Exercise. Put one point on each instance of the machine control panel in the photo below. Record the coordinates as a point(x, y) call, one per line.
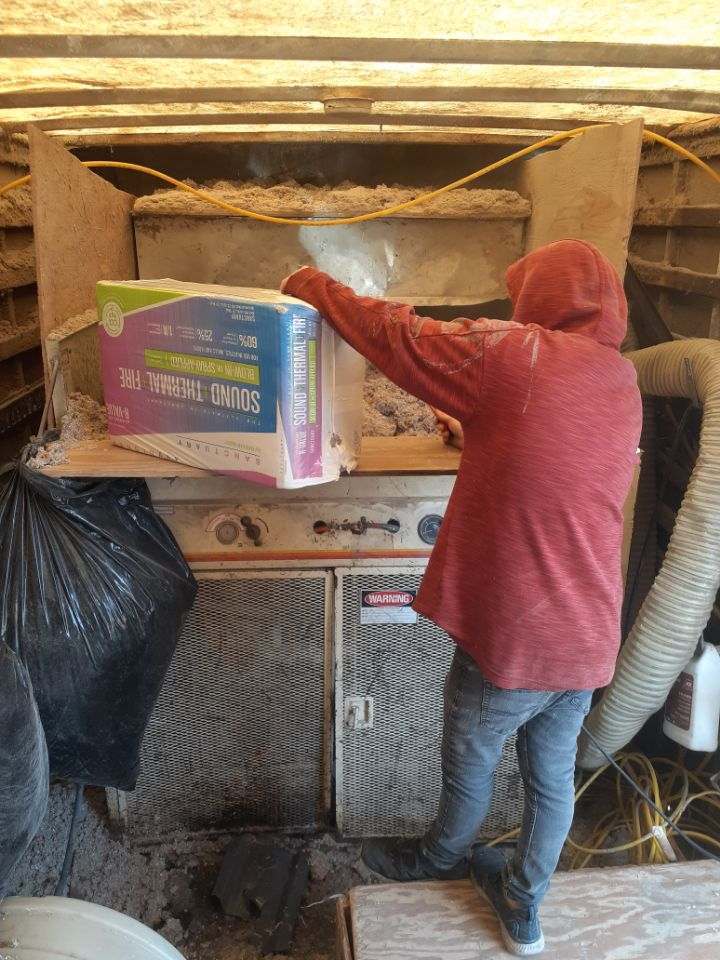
point(366, 518)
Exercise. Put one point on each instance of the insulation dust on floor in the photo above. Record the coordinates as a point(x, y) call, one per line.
point(168, 885)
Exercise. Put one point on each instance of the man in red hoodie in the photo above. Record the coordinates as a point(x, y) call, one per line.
point(526, 573)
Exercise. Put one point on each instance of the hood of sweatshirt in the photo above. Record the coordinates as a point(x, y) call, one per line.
point(570, 286)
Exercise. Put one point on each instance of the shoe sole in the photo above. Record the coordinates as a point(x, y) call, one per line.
point(426, 879)
point(376, 873)
point(513, 946)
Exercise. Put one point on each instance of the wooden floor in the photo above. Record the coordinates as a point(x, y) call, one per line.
point(619, 913)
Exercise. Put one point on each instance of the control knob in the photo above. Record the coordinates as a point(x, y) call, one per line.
point(429, 528)
point(227, 532)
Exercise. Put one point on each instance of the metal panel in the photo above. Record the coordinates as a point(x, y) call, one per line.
point(388, 775)
point(239, 736)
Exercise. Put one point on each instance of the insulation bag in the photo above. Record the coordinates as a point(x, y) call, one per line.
point(248, 383)
point(23, 764)
point(94, 594)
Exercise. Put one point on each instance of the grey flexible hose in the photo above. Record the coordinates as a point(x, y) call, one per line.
point(678, 606)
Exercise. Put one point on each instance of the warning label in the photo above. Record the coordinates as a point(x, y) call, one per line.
point(387, 606)
point(678, 709)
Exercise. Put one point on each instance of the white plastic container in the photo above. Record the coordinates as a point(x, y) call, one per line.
point(692, 710)
point(58, 928)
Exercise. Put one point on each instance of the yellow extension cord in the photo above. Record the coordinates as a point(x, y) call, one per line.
point(636, 819)
point(632, 814)
point(376, 214)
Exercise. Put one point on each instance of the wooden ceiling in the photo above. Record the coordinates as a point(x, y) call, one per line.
point(124, 71)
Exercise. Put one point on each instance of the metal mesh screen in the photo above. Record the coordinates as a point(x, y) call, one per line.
point(237, 736)
point(391, 773)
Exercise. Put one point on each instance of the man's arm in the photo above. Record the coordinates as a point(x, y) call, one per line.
point(441, 363)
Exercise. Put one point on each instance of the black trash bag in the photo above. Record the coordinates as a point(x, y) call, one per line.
point(23, 764)
point(94, 594)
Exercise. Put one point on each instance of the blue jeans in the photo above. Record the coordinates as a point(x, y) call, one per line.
point(479, 718)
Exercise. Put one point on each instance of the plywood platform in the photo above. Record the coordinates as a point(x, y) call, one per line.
point(621, 913)
point(380, 456)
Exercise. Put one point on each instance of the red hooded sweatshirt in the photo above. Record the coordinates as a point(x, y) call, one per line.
point(526, 573)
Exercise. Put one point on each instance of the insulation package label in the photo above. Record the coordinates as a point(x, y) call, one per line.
point(222, 378)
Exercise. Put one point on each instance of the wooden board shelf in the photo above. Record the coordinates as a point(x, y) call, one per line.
point(380, 456)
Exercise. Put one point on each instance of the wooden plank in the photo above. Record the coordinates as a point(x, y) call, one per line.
point(22, 393)
point(83, 232)
point(16, 207)
point(644, 913)
point(27, 402)
point(343, 948)
point(19, 341)
point(17, 258)
point(75, 346)
point(380, 456)
point(665, 215)
point(70, 82)
point(418, 455)
point(313, 134)
point(13, 156)
point(688, 98)
point(662, 22)
point(586, 190)
point(11, 379)
point(74, 120)
point(399, 49)
point(677, 278)
point(706, 148)
point(541, 116)
point(697, 128)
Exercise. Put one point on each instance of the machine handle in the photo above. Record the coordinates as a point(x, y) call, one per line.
point(357, 527)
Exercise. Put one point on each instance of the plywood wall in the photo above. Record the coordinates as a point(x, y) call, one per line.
point(83, 233)
point(586, 190)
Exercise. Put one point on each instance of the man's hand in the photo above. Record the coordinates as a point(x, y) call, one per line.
point(449, 429)
point(289, 276)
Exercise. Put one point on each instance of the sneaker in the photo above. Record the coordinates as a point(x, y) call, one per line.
point(519, 924)
point(404, 860)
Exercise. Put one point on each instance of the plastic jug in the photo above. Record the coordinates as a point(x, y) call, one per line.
point(692, 710)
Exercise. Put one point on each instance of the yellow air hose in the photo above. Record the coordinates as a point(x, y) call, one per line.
point(375, 214)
